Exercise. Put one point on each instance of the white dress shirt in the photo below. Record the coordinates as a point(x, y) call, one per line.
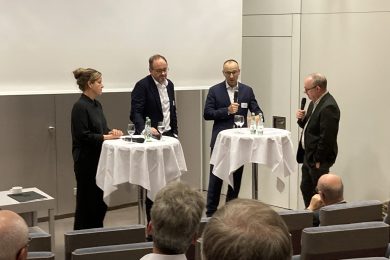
point(164, 98)
point(230, 91)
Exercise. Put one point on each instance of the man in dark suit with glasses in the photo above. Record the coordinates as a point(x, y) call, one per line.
point(221, 107)
point(317, 148)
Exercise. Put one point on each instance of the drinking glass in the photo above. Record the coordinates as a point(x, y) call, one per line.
point(239, 120)
point(131, 130)
point(160, 128)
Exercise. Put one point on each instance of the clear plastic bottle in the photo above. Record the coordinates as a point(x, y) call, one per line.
point(252, 126)
point(260, 125)
point(147, 131)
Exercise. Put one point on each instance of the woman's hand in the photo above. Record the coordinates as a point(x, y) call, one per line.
point(113, 134)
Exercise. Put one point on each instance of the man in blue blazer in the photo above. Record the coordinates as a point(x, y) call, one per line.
point(154, 97)
point(221, 107)
point(317, 149)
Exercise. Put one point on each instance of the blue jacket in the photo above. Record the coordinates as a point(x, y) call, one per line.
point(217, 103)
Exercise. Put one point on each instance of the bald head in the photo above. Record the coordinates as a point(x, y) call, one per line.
point(331, 188)
point(13, 236)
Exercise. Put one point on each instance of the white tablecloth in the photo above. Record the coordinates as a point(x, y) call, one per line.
point(235, 147)
point(150, 164)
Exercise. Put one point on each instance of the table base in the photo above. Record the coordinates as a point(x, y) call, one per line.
point(141, 204)
point(255, 179)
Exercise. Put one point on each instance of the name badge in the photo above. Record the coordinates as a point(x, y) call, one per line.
point(244, 105)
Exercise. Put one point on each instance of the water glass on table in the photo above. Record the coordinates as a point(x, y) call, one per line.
point(131, 130)
point(239, 120)
point(161, 128)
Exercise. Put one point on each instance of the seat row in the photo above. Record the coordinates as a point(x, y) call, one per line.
point(129, 242)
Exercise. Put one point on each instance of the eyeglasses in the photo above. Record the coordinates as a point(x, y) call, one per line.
point(307, 90)
point(228, 73)
point(160, 71)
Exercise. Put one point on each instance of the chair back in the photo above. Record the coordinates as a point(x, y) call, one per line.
point(296, 221)
point(117, 252)
point(95, 237)
point(40, 255)
point(351, 212)
point(40, 240)
point(366, 239)
point(368, 258)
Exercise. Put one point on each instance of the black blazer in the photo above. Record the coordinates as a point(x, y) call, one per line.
point(321, 132)
point(217, 103)
point(145, 102)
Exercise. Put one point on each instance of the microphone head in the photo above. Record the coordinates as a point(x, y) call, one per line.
point(303, 103)
point(235, 97)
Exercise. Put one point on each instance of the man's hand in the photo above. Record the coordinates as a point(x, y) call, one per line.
point(154, 131)
point(315, 203)
point(233, 108)
point(300, 114)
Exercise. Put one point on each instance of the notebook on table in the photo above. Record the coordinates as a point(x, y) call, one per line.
point(26, 196)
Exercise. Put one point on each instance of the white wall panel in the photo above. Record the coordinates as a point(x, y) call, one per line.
point(267, 25)
point(267, 68)
point(44, 41)
point(352, 50)
point(332, 6)
point(271, 6)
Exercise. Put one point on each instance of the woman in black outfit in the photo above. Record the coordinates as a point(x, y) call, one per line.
point(89, 130)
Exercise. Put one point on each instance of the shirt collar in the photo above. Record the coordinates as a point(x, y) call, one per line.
point(158, 84)
point(319, 99)
point(229, 87)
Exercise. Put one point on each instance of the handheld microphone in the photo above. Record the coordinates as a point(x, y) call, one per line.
point(303, 103)
point(235, 97)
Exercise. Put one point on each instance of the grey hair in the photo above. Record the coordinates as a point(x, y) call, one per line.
point(333, 193)
point(246, 229)
point(176, 215)
point(13, 234)
point(319, 80)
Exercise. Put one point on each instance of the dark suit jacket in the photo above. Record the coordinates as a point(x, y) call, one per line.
point(145, 102)
point(320, 133)
point(217, 103)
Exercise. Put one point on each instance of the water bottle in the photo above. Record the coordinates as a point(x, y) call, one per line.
point(260, 125)
point(252, 127)
point(147, 131)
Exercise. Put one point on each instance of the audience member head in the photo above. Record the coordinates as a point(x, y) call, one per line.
point(86, 77)
point(246, 229)
point(13, 236)
point(231, 71)
point(158, 68)
point(176, 215)
point(315, 86)
point(330, 188)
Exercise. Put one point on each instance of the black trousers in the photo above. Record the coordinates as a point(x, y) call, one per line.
point(310, 176)
point(90, 207)
point(215, 186)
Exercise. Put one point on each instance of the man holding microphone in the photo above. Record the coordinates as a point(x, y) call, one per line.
point(225, 100)
point(317, 148)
